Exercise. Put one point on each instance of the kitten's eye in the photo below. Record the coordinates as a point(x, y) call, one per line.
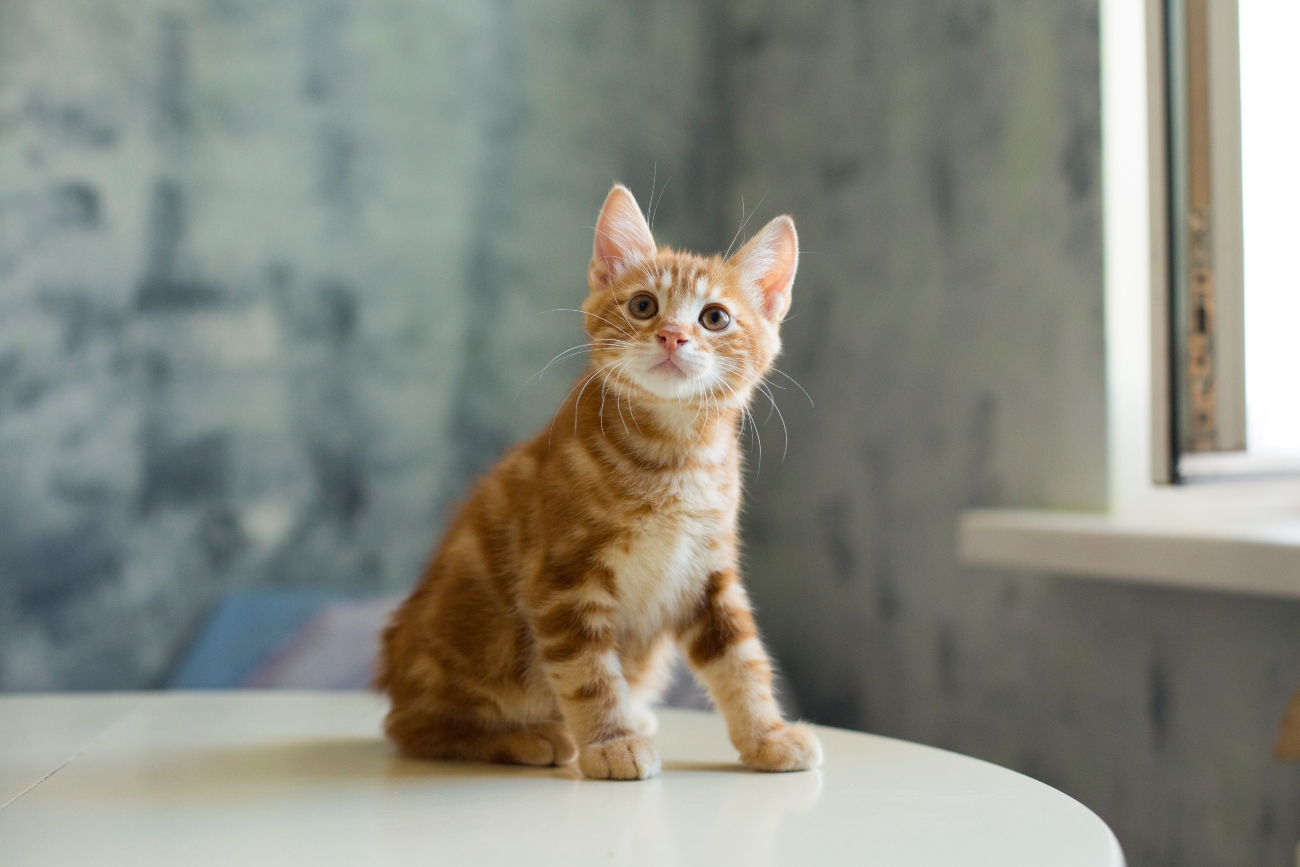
point(643, 306)
point(715, 318)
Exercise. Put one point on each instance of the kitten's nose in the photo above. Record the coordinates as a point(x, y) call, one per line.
point(671, 338)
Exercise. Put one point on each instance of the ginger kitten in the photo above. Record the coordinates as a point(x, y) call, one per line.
point(543, 626)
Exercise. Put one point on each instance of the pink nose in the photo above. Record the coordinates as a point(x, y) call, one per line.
point(671, 339)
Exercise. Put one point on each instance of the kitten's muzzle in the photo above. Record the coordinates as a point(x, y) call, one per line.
point(671, 339)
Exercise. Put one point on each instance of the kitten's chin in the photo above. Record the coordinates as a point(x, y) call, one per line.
point(678, 388)
point(669, 383)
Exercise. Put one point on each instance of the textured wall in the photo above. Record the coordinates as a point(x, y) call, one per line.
point(273, 273)
point(942, 161)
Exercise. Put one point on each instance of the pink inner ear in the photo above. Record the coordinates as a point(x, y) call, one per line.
point(622, 236)
point(780, 277)
point(770, 260)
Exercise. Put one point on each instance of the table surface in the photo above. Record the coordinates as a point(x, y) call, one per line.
point(305, 778)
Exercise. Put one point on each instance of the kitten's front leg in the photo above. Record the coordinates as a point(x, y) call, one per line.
point(577, 639)
point(722, 644)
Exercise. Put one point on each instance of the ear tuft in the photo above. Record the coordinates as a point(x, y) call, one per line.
point(767, 265)
point(622, 239)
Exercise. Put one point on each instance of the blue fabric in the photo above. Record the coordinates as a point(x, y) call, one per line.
point(244, 629)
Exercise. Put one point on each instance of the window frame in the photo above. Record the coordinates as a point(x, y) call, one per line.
point(1194, 98)
point(1238, 535)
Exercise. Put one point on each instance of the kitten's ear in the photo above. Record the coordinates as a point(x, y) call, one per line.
point(622, 239)
point(766, 265)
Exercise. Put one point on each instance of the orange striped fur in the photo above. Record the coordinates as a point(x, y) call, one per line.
point(543, 627)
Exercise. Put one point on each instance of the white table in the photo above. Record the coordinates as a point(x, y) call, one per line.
point(277, 778)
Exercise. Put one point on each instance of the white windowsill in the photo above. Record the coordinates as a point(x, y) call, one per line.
point(1257, 556)
point(1233, 534)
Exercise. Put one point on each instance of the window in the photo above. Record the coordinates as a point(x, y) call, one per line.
point(1232, 399)
point(1241, 534)
point(1270, 174)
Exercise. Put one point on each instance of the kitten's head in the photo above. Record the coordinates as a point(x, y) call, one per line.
point(683, 327)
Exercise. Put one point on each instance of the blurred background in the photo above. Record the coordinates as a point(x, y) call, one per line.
point(274, 274)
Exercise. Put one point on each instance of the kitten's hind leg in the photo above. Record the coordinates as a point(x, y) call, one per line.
point(537, 744)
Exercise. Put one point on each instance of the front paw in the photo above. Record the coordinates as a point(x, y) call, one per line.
point(643, 719)
point(627, 758)
point(789, 748)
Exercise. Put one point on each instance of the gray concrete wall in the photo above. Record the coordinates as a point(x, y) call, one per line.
point(272, 275)
point(942, 159)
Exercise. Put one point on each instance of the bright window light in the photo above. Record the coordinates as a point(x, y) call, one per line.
point(1270, 128)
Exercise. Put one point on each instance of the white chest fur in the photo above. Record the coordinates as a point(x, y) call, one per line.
point(662, 565)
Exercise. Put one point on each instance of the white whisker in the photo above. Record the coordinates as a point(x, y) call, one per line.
point(585, 313)
point(758, 438)
point(618, 402)
point(655, 211)
point(797, 385)
point(743, 222)
point(779, 415)
point(569, 353)
point(741, 228)
point(583, 382)
point(651, 204)
point(600, 414)
point(577, 402)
